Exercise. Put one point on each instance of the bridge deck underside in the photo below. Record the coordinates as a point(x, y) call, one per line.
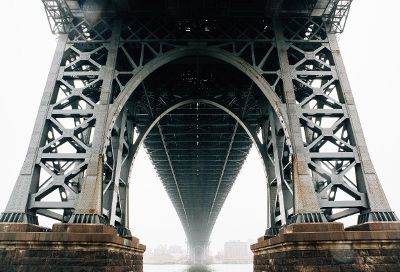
point(185, 8)
point(205, 153)
point(197, 149)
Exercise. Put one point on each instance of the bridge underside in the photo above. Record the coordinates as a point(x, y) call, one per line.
point(197, 148)
point(61, 12)
point(197, 82)
point(205, 8)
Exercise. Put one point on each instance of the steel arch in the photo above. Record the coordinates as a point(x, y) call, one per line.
point(178, 53)
point(169, 108)
point(216, 104)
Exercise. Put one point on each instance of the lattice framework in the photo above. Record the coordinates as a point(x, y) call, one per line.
point(91, 123)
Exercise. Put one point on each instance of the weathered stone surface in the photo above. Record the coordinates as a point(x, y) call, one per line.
point(326, 247)
point(67, 247)
point(376, 226)
point(21, 227)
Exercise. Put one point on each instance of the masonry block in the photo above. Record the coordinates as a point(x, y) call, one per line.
point(315, 247)
point(68, 247)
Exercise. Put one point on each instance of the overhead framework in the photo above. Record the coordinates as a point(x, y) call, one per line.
point(199, 83)
point(60, 13)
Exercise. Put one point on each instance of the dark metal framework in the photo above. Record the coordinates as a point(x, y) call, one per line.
point(60, 13)
point(336, 14)
point(197, 93)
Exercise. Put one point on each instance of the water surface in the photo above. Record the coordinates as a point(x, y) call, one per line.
point(209, 268)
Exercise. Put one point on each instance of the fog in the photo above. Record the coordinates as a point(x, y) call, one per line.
point(370, 51)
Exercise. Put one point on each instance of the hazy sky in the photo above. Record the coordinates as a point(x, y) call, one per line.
point(370, 50)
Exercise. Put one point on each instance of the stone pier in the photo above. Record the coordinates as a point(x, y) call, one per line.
point(330, 247)
point(67, 247)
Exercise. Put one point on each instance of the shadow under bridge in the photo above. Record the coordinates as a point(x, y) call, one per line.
point(198, 118)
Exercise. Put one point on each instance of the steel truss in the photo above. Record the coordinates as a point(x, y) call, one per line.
point(59, 15)
point(336, 14)
point(107, 91)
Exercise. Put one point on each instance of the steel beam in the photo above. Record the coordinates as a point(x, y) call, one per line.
point(179, 83)
point(305, 201)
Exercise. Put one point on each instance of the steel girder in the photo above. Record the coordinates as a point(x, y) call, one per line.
point(318, 96)
point(60, 13)
point(100, 88)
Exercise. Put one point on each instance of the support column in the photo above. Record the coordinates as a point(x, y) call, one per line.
point(280, 184)
point(118, 160)
point(28, 179)
point(379, 208)
point(199, 253)
point(306, 206)
point(89, 206)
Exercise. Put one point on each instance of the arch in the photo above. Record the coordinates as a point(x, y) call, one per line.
point(177, 104)
point(274, 101)
point(184, 102)
point(197, 50)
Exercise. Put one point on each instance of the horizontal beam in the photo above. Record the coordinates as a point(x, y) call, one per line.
point(332, 155)
point(63, 156)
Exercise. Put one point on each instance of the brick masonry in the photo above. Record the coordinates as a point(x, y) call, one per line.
point(66, 247)
point(329, 247)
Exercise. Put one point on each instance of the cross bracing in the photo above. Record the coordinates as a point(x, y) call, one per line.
point(198, 93)
point(60, 13)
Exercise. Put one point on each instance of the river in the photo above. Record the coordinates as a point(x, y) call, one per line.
point(209, 268)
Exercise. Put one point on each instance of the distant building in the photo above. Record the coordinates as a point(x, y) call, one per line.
point(165, 255)
point(237, 252)
point(219, 257)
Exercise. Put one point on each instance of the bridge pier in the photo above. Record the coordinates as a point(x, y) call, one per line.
point(199, 253)
point(67, 247)
point(221, 79)
point(330, 247)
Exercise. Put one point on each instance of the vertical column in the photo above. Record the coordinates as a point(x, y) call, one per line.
point(379, 208)
point(324, 123)
point(118, 159)
point(306, 206)
point(28, 179)
point(276, 142)
point(117, 143)
point(277, 162)
point(126, 169)
point(89, 206)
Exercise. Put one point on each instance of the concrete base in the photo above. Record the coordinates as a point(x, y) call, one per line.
point(329, 247)
point(67, 247)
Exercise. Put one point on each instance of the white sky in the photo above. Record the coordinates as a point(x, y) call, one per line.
point(370, 50)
